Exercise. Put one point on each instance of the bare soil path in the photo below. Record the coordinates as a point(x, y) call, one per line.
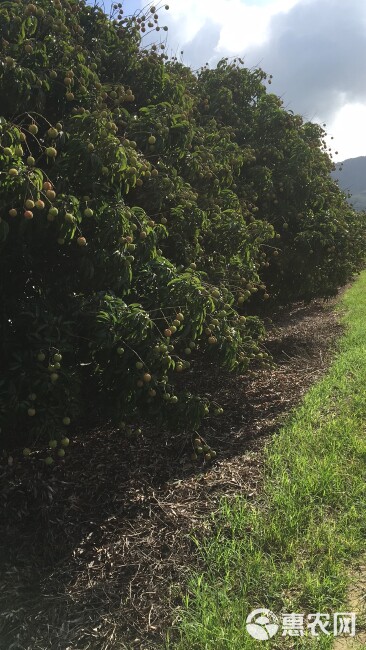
point(95, 555)
point(356, 603)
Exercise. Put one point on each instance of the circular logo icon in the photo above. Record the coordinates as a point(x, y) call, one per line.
point(262, 624)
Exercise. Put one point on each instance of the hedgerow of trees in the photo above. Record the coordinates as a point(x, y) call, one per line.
point(148, 214)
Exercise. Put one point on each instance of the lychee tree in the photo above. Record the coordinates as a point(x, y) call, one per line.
point(140, 229)
point(284, 180)
point(91, 305)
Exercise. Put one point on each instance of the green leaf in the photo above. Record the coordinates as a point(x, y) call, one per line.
point(4, 230)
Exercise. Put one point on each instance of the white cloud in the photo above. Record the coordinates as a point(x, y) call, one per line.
point(245, 26)
point(315, 50)
point(349, 132)
point(240, 24)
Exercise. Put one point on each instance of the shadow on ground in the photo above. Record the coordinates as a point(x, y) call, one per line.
point(96, 552)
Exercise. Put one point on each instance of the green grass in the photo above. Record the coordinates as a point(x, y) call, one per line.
point(292, 550)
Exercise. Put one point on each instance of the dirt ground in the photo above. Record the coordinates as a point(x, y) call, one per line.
point(96, 554)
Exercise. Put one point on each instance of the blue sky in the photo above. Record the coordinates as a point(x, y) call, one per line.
point(129, 6)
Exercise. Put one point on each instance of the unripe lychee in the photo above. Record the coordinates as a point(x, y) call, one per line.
point(51, 152)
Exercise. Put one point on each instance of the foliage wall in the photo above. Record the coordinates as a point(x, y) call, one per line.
point(147, 216)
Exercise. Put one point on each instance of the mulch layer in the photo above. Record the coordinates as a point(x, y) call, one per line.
point(96, 553)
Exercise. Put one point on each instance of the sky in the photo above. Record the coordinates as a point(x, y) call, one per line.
point(315, 50)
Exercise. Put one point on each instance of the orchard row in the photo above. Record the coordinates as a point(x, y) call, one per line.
point(149, 217)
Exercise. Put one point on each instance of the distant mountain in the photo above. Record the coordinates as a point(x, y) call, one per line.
point(351, 176)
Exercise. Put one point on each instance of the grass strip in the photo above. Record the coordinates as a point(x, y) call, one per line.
point(292, 550)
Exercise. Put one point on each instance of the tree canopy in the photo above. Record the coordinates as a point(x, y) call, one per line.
point(149, 215)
